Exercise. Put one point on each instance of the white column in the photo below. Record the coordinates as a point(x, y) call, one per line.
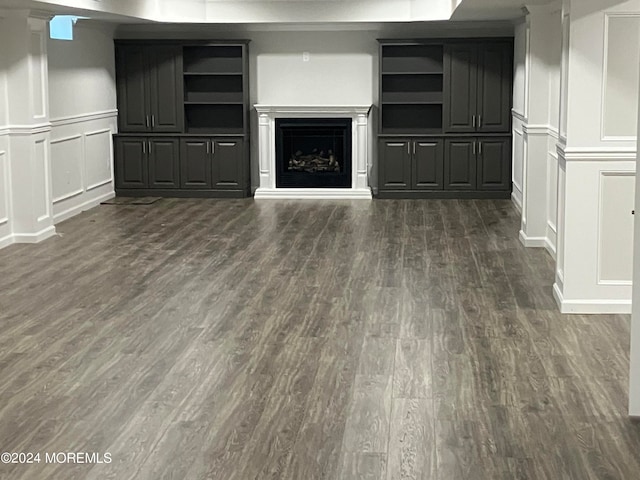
point(25, 40)
point(540, 132)
point(634, 374)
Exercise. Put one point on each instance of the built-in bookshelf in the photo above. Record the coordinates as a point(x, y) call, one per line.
point(214, 89)
point(411, 88)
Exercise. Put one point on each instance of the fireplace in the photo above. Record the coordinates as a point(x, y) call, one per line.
point(313, 153)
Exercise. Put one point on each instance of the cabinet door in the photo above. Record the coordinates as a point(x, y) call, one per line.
point(133, 90)
point(165, 78)
point(494, 87)
point(428, 163)
point(460, 88)
point(131, 162)
point(195, 163)
point(460, 164)
point(228, 156)
point(494, 163)
point(164, 167)
point(394, 169)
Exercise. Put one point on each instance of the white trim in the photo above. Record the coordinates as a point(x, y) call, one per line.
point(4, 131)
point(518, 115)
point(311, 110)
point(596, 153)
point(590, 306)
point(84, 117)
point(88, 205)
point(535, 130)
point(100, 184)
point(67, 196)
point(553, 227)
point(550, 248)
point(516, 201)
point(6, 241)
point(25, 130)
point(66, 139)
point(35, 237)
point(102, 131)
point(313, 193)
point(531, 242)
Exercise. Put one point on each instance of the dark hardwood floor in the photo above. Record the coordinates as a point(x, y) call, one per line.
point(231, 339)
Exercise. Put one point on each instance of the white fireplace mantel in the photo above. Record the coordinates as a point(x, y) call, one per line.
point(359, 116)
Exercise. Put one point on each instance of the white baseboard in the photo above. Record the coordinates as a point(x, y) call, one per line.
point(88, 205)
point(314, 193)
point(590, 306)
point(516, 201)
point(34, 237)
point(533, 242)
point(6, 241)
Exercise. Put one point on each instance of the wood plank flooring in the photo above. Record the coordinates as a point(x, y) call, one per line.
point(239, 340)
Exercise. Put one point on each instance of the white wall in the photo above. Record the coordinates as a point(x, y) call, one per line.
point(83, 117)
point(520, 97)
point(5, 199)
point(596, 186)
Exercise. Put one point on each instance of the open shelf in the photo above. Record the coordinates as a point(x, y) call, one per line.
point(213, 89)
point(407, 59)
point(412, 118)
point(226, 59)
point(214, 118)
point(411, 97)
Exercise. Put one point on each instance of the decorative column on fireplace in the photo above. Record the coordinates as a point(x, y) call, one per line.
point(313, 152)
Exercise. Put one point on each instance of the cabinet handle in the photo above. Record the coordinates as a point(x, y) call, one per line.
point(227, 144)
point(153, 121)
point(408, 148)
point(474, 147)
point(150, 148)
point(479, 148)
point(208, 147)
point(144, 147)
point(213, 148)
point(474, 121)
point(479, 121)
point(414, 148)
point(146, 121)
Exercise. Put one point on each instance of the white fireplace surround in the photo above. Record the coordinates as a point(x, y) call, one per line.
point(359, 116)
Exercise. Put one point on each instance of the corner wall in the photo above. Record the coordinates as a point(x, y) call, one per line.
point(83, 118)
point(5, 175)
point(597, 157)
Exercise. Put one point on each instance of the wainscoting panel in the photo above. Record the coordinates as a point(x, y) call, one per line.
point(67, 167)
point(98, 158)
point(82, 162)
point(518, 162)
point(41, 197)
point(615, 228)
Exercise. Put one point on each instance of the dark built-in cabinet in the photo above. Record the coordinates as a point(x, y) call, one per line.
point(445, 118)
point(183, 118)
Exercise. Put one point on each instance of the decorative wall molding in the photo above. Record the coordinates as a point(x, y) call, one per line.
point(596, 154)
point(539, 130)
point(84, 117)
point(26, 130)
point(603, 98)
point(4, 170)
point(519, 116)
point(35, 237)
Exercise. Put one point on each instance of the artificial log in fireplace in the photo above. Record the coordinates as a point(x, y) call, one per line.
point(313, 152)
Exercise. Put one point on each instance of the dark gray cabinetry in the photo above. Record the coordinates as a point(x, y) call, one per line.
point(428, 163)
point(149, 84)
point(183, 118)
point(460, 169)
point(132, 163)
point(164, 170)
point(395, 163)
point(411, 164)
point(207, 163)
point(444, 119)
point(494, 162)
point(477, 87)
point(195, 163)
point(147, 162)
